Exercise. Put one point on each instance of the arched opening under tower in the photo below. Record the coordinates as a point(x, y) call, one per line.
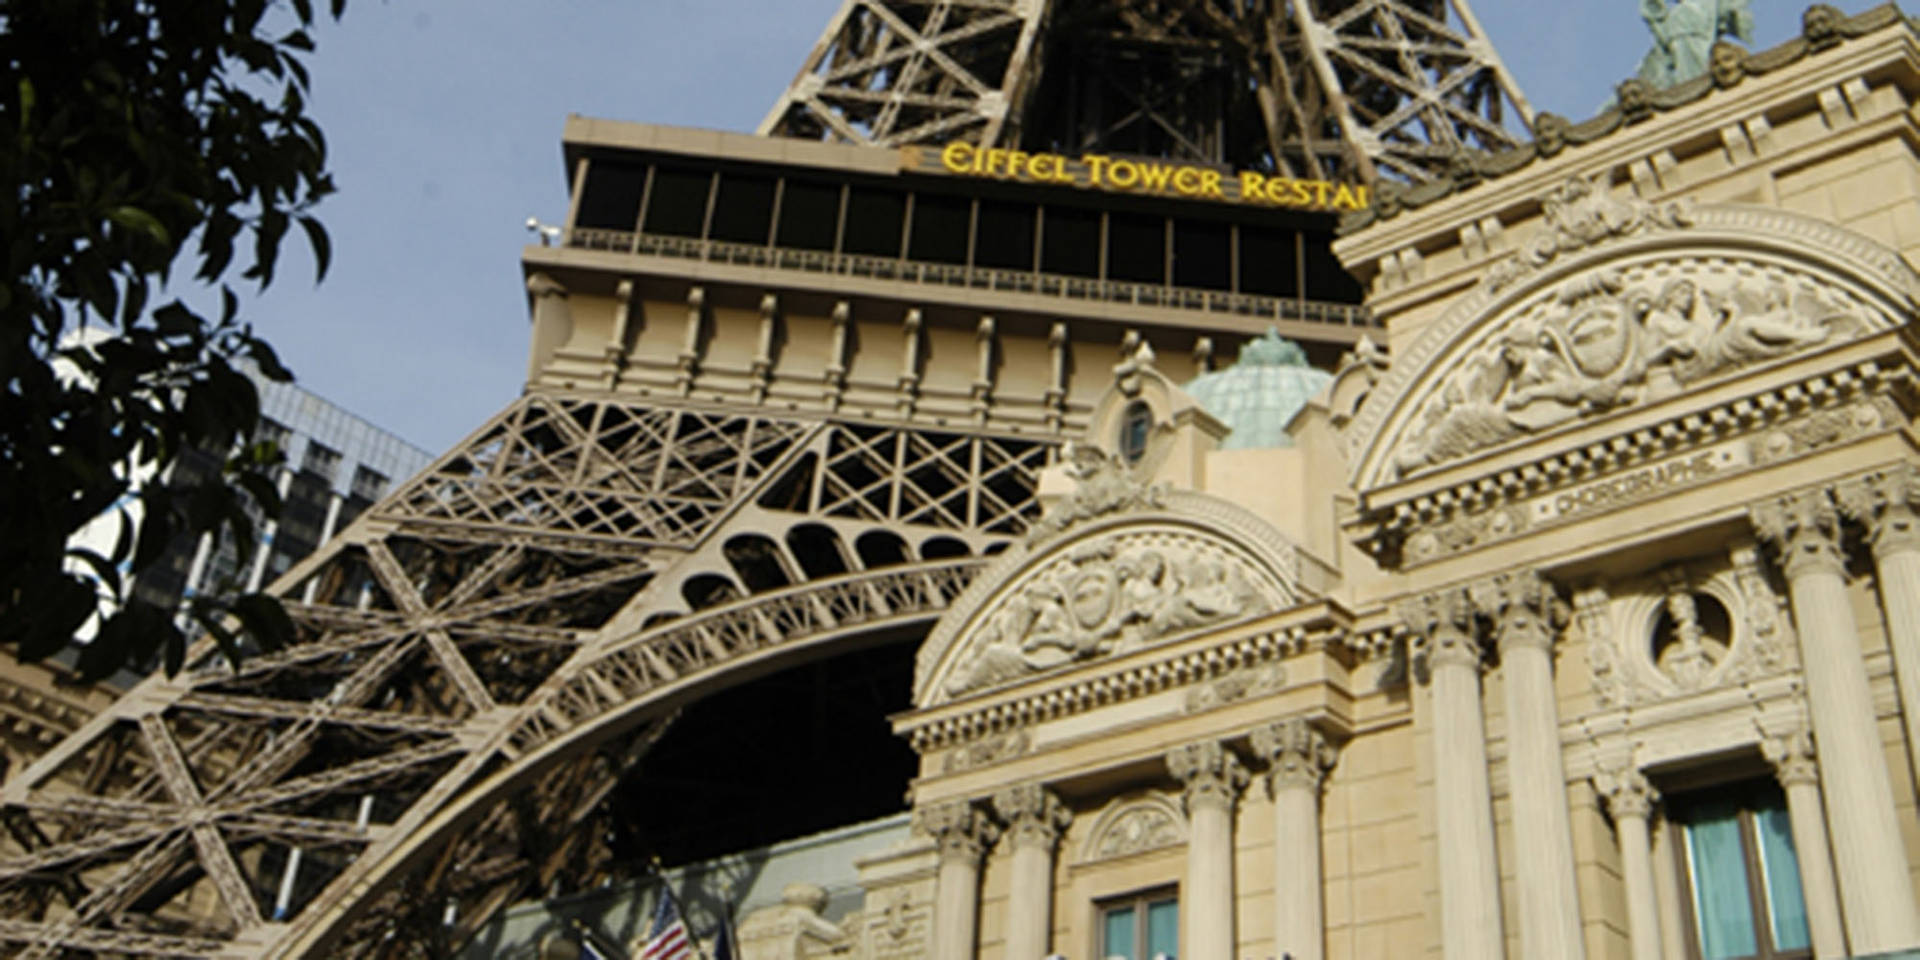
point(802, 750)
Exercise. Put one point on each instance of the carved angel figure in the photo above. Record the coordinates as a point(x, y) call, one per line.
point(1751, 326)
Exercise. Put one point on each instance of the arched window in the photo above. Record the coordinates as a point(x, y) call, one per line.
point(1136, 423)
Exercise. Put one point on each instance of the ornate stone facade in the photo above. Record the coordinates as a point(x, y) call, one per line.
point(1612, 521)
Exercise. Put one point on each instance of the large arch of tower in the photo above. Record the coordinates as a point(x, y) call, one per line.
point(785, 402)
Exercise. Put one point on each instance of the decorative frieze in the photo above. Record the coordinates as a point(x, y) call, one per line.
point(1298, 755)
point(1237, 686)
point(1232, 652)
point(1701, 447)
point(988, 751)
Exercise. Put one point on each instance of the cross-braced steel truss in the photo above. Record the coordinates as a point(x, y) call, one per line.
point(1334, 89)
point(479, 659)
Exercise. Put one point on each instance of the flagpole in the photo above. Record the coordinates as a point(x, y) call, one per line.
point(666, 887)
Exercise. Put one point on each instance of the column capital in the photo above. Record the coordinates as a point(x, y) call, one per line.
point(958, 828)
point(1883, 502)
point(1627, 791)
point(1297, 754)
point(1210, 772)
point(1804, 528)
point(1442, 624)
point(1034, 815)
point(1793, 758)
point(1524, 607)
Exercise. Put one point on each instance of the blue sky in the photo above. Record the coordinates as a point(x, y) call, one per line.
point(443, 120)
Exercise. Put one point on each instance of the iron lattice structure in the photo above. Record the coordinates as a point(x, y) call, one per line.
point(480, 658)
point(1328, 89)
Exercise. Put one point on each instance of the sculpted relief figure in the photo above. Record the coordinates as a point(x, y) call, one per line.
point(1684, 35)
point(1601, 343)
point(1578, 214)
point(1105, 598)
point(1102, 485)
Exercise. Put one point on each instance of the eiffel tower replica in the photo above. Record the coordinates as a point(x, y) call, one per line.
point(784, 400)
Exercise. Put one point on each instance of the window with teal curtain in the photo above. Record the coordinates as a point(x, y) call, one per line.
point(1163, 929)
point(1118, 943)
point(1717, 861)
point(1743, 878)
point(1140, 927)
point(1781, 869)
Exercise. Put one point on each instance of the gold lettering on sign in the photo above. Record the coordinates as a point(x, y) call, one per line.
point(1098, 171)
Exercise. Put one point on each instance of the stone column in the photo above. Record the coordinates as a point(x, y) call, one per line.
point(1213, 777)
point(1298, 758)
point(1794, 766)
point(1526, 618)
point(1462, 801)
point(962, 833)
point(1630, 798)
point(1883, 503)
point(1876, 892)
point(1034, 819)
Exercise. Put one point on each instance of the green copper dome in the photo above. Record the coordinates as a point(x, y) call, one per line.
point(1259, 395)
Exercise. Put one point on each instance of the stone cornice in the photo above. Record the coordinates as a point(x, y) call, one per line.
point(1770, 414)
point(1323, 625)
point(1636, 104)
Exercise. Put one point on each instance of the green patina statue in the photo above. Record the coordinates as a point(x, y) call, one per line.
point(1684, 34)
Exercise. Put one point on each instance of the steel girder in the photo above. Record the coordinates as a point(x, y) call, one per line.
point(480, 658)
point(1331, 89)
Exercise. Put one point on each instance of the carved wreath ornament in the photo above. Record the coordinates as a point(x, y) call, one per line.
point(1620, 336)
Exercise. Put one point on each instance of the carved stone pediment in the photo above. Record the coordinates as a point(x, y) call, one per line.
point(1135, 825)
point(1124, 580)
point(1615, 308)
point(1615, 337)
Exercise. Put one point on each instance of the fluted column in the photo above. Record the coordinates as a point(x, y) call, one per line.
point(1298, 758)
point(1213, 777)
point(1034, 819)
point(1463, 803)
point(1884, 504)
point(1526, 618)
point(1630, 798)
point(962, 833)
point(1799, 776)
point(1876, 893)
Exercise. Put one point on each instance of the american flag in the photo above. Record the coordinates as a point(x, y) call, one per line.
point(667, 939)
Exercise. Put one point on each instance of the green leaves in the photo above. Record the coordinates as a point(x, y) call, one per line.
point(130, 128)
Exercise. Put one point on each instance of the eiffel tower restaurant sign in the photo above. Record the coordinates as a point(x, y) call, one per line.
point(1135, 175)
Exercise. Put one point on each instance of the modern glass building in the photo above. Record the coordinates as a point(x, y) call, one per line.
point(336, 464)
